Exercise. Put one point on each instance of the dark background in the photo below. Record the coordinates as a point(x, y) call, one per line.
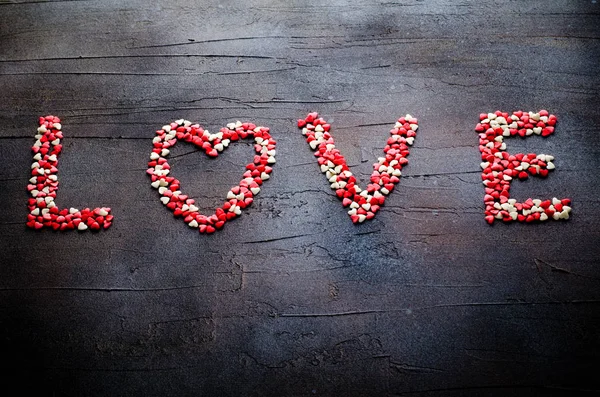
point(292, 299)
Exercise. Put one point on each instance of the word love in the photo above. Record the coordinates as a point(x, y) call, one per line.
point(500, 167)
point(363, 204)
point(238, 198)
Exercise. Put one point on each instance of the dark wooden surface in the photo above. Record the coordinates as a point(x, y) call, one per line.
point(292, 299)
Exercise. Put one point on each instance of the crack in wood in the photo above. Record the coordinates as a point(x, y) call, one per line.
point(95, 57)
point(196, 42)
point(539, 263)
point(12, 2)
point(450, 305)
point(270, 240)
point(99, 289)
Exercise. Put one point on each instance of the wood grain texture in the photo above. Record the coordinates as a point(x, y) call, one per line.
point(292, 299)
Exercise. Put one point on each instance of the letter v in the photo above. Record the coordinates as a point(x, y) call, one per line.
point(363, 204)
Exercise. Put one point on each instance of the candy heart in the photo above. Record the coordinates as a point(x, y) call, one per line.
point(238, 197)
